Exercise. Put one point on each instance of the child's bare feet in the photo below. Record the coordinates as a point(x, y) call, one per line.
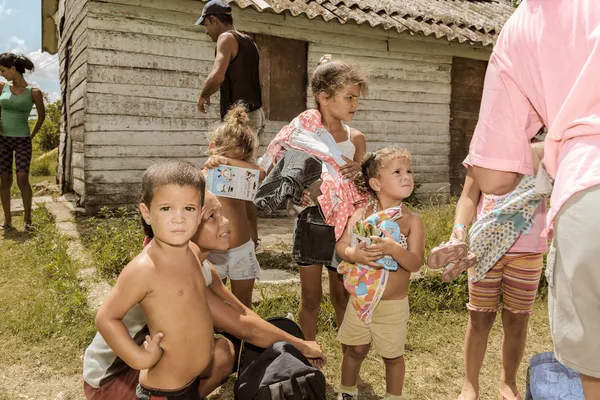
point(509, 391)
point(468, 393)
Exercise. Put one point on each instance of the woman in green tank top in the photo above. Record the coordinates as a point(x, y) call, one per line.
point(16, 101)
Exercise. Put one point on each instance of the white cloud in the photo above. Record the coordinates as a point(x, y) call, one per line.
point(4, 11)
point(53, 97)
point(46, 72)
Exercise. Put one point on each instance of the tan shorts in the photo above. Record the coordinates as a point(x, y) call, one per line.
point(574, 286)
point(387, 329)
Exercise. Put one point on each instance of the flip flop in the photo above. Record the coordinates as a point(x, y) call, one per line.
point(462, 397)
point(447, 253)
point(454, 270)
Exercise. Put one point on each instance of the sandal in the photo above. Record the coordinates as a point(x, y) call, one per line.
point(446, 253)
point(454, 270)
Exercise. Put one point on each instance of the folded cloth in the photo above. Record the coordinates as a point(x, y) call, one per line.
point(547, 379)
point(294, 171)
point(340, 197)
point(365, 284)
point(492, 235)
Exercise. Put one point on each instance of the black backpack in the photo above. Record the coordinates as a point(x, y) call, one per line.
point(280, 372)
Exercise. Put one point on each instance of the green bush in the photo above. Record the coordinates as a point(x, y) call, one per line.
point(41, 169)
point(48, 136)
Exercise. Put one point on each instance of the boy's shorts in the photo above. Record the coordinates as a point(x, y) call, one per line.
point(515, 277)
point(387, 329)
point(122, 386)
point(237, 264)
point(188, 392)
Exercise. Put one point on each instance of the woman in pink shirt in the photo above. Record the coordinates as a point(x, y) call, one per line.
point(544, 71)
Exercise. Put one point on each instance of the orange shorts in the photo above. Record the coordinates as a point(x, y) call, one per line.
point(515, 277)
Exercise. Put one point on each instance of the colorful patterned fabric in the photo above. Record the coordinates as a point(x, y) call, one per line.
point(365, 284)
point(340, 197)
point(495, 232)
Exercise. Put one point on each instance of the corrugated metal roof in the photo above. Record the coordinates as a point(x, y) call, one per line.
point(473, 21)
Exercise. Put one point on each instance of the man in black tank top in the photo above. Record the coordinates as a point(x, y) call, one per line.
point(236, 69)
point(236, 73)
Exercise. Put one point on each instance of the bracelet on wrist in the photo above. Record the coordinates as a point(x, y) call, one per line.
point(459, 226)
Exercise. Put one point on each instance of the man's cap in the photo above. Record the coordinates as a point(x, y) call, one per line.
point(214, 7)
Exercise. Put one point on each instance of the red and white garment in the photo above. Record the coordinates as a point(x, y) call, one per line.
point(340, 197)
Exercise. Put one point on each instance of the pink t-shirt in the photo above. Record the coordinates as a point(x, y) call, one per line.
point(545, 70)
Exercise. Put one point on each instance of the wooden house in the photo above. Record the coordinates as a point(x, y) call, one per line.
point(131, 71)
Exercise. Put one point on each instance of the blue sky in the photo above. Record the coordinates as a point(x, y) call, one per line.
point(20, 32)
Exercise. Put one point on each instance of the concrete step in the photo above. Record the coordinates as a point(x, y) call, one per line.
point(16, 205)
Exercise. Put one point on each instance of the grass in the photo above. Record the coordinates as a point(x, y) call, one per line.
point(113, 238)
point(434, 348)
point(45, 321)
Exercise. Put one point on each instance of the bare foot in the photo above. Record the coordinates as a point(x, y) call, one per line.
point(509, 391)
point(468, 393)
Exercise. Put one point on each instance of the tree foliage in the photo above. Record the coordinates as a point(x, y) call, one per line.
point(49, 134)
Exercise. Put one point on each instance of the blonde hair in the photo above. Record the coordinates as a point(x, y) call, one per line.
point(331, 76)
point(372, 163)
point(235, 134)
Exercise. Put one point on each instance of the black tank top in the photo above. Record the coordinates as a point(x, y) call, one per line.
point(241, 79)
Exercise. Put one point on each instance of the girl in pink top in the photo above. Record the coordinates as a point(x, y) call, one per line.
point(515, 277)
point(337, 87)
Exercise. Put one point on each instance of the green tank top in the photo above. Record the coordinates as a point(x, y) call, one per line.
point(15, 112)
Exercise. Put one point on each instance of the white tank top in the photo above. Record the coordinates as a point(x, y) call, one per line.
point(347, 147)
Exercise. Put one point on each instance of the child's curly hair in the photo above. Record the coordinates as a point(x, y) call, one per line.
point(331, 76)
point(235, 136)
point(372, 163)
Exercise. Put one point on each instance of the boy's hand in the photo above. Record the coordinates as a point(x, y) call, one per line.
point(364, 254)
point(386, 245)
point(314, 354)
point(215, 162)
point(153, 350)
point(350, 169)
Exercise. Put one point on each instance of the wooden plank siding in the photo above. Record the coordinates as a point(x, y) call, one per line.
point(467, 86)
point(72, 75)
point(141, 64)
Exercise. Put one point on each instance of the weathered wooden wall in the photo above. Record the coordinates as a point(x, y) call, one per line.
point(146, 62)
point(73, 74)
point(467, 87)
